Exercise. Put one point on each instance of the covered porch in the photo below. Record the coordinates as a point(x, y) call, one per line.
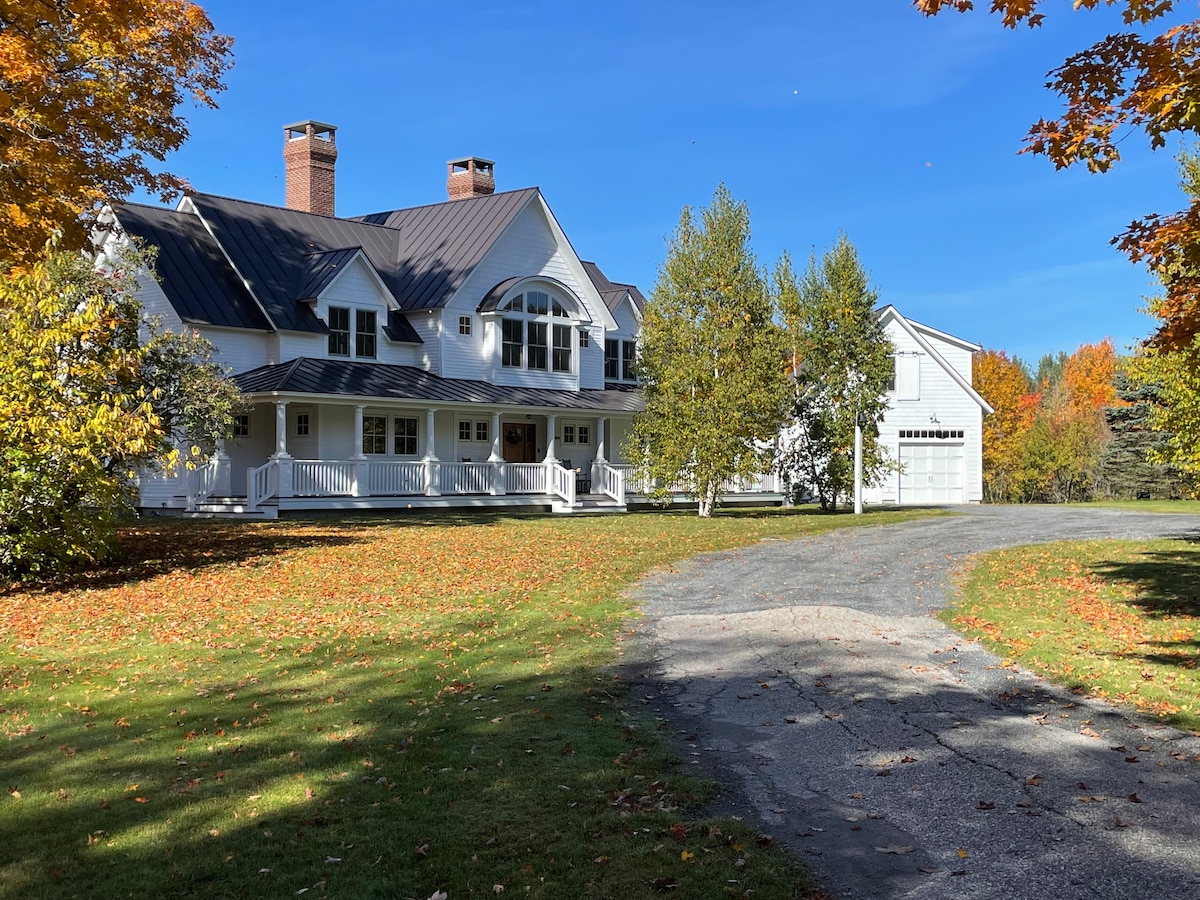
point(327, 436)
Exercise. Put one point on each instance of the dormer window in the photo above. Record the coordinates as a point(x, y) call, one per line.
point(364, 337)
point(529, 336)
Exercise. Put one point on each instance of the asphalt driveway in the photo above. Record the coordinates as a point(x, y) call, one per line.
point(897, 758)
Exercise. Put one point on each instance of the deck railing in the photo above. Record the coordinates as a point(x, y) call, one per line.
point(466, 478)
point(322, 478)
point(201, 483)
point(397, 478)
point(612, 482)
point(262, 484)
point(525, 478)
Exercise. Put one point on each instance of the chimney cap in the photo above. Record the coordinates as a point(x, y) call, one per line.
point(316, 126)
point(463, 160)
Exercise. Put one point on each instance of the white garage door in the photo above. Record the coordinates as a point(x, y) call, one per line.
point(932, 473)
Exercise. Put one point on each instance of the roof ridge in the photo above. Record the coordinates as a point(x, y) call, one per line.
point(385, 212)
point(355, 220)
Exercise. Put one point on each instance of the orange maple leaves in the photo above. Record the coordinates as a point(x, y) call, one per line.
point(88, 92)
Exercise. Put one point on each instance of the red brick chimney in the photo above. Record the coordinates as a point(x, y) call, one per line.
point(309, 154)
point(470, 177)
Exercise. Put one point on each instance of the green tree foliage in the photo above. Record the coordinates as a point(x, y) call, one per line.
point(842, 363)
point(1128, 468)
point(90, 392)
point(710, 359)
point(1172, 371)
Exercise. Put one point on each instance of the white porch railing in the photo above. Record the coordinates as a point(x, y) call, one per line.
point(322, 478)
point(397, 478)
point(201, 483)
point(562, 483)
point(612, 482)
point(262, 484)
point(466, 478)
point(525, 478)
point(767, 482)
point(360, 478)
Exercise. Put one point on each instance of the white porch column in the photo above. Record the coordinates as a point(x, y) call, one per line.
point(361, 486)
point(497, 458)
point(600, 460)
point(223, 486)
point(551, 444)
point(433, 472)
point(551, 460)
point(281, 428)
point(281, 457)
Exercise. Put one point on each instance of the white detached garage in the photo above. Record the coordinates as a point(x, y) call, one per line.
point(934, 424)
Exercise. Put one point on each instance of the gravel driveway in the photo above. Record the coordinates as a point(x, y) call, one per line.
point(896, 757)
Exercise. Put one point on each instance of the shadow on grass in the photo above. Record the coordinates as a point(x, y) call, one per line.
point(364, 785)
point(1167, 582)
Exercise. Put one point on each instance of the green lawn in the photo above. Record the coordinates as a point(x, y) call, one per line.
point(1112, 619)
point(1188, 507)
point(352, 708)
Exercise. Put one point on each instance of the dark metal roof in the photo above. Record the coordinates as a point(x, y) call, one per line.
point(195, 276)
point(358, 379)
point(400, 330)
point(319, 269)
point(271, 247)
point(613, 292)
point(442, 243)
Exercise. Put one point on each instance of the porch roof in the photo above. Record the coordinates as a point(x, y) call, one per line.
point(359, 379)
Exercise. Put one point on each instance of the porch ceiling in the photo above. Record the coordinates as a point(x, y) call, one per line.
point(358, 379)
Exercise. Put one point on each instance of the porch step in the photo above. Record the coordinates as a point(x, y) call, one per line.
point(589, 504)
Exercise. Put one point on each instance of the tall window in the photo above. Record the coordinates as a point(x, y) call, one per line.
point(364, 333)
point(339, 331)
point(513, 341)
point(561, 359)
point(618, 359)
point(530, 337)
point(374, 434)
point(612, 358)
point(537, 345)
point(405, 436)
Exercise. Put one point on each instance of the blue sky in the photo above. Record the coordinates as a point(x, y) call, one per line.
point(857, 116)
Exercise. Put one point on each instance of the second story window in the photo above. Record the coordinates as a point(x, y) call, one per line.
point(618, 359)
point(533, 335)
point(364, 333)
point(363, 338)
point(339, 331)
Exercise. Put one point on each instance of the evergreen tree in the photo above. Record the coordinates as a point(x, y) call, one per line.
point(710, 360)
point(1128, 467)
point(842, 364)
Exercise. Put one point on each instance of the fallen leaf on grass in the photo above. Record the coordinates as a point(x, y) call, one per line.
point(894, 849)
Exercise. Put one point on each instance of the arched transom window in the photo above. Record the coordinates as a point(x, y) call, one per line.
point(536, 333)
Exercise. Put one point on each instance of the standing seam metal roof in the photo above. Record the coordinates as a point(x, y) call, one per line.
point(194, 275)
point(391, 382)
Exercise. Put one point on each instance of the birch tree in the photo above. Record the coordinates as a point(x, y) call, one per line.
point(841, 366)
point(710, 360)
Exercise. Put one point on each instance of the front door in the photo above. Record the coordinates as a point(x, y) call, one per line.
point(520, 442)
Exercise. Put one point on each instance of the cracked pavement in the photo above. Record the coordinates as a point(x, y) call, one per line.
point(897, 758)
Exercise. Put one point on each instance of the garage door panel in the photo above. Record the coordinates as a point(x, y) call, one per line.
point(932, 473)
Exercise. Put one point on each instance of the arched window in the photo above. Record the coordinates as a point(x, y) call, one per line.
point(535, 333)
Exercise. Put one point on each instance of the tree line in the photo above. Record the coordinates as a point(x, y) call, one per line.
point(1073, 427)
